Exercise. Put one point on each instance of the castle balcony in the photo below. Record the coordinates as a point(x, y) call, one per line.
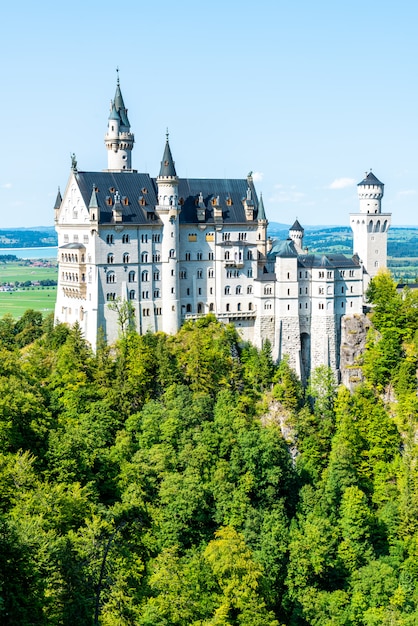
point(227, 315)
point(74, 290)
point(234, 263)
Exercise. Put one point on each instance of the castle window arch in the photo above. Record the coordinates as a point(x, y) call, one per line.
point(125, 238)
point(144, 276)
point(125, 257)
point(211, 307)
point(172, 253)
point(227, 290)
point(249, 289)
point(377, 227)
point(200, 307)
point(268, 305)
point(267, 290)
point(132, 294)
point(370, 226)
point(385, 225)
point(199, 273)
point(188, 308)
point(110, 258)
point(211, 273)
point(250, 306)
point(238, 290)
point(239, 306)
point(110, 277)
point(131, 277)
point(109, 239)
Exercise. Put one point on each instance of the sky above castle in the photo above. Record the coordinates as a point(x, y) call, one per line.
point(306, 95)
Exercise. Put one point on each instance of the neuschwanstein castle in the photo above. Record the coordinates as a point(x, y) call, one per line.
point(179, 248)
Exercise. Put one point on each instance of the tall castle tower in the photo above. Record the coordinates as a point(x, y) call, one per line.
point(119, 140)
point(370, 227)
point(168, 210)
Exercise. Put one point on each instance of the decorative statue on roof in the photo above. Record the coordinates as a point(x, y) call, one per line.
point(73, 162)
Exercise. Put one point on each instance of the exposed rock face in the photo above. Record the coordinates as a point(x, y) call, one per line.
point(353, 342)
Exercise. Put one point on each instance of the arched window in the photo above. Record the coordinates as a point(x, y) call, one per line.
point(199, 274)
point(227, 291)
point(111, 277)
point(109, 239)
point(267, 290)
point(239, 306)
point(250, 306)
point(199, 307)
point(125, 238)
point(249, 289)
point(132, 294)
point(144, 276)
point(131, 277)
point(144, 257)
point(211, 307)
point(211, 273)
point(110, 258)
point(172, 253)
point(188, 308)
point(238, 289)
point(126, 257)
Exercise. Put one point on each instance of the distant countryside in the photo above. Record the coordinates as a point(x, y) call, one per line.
point(27, 284)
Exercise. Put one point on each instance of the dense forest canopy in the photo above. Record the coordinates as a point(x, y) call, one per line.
point(190, 481)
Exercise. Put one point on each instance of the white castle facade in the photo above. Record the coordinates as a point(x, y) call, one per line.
point(179, 248)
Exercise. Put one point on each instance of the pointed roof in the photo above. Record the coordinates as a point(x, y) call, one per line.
point(58, 200)
point(120, 105)
point(114, 115)
point(370, 180)
point(261, 211)
point(93, 204)
point(167, 168)
point(297, 226)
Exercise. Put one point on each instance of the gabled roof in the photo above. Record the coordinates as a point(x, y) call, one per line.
point(140, 190)
point(370, 180)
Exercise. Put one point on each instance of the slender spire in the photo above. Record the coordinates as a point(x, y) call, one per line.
point(58, 200)
point(93, 204)
point(167, 168)
point(119, 103)
point(261, 211)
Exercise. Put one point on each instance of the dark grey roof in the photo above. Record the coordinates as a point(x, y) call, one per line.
point(261, 211)
point(336, 261)
point(283, 249)
point(72, 246)
point(167, 164)
point(297, 226)
point(58, 200)
point(120, 106)
point(140, 190)
point(370, 180)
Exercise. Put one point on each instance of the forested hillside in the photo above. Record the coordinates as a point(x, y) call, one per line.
point(189, 481)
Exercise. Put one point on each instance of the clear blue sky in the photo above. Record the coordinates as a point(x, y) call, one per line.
point(308, 95)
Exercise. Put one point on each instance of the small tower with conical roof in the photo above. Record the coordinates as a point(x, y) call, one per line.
point(370, 226)
point(296, 235)
point(168, 210)
point(262, 224)
point(119, 140)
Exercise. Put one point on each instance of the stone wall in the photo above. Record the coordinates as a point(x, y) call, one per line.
point(353, 342)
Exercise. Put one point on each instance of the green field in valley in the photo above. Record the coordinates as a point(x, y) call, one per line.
point(15, 270)
point(37, 298)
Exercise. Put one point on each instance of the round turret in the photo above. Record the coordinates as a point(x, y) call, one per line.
point(296, 235)
point(370, 193)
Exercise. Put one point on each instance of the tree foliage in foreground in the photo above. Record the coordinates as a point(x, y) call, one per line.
point(151, 483)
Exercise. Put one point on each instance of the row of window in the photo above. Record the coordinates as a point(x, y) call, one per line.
point(71, 258)
point(111, 276)
point(72, 277)
point(75, 238)
point(155, 238)
point(156, 258)
point(238, 290)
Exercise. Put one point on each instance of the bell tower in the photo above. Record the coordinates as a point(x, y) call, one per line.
point(370, 226)
point(119, 140)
